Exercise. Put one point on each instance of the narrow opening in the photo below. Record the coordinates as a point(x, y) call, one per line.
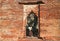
point(32, 23)
point(31, 27)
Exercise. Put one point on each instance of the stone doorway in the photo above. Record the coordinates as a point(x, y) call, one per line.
point(31, 10)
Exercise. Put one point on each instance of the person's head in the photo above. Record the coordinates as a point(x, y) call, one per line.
point(32, 13)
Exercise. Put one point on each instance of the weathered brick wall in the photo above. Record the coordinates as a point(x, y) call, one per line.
point(50, 19)
point(11, 20)
point(12, 23)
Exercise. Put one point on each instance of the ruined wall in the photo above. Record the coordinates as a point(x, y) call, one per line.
point(50, 19)
point(11, 20)
point(12, 26)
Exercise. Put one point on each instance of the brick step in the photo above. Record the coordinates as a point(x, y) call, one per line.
point(31, 39)
point(36, 39)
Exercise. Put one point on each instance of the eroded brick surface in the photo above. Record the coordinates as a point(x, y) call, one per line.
point(10, 20)
point(13, 20)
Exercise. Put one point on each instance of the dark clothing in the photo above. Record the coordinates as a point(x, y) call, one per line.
point(32, 23)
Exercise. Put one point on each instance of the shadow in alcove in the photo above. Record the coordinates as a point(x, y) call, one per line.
point(31, 27)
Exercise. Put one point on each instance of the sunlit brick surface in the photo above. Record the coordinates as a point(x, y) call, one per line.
point(13, 20)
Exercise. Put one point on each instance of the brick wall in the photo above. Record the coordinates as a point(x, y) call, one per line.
point(11, 20)
point(12, 23)
point(49, 19)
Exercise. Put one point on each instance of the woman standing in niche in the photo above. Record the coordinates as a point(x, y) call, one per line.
point(31, 27)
